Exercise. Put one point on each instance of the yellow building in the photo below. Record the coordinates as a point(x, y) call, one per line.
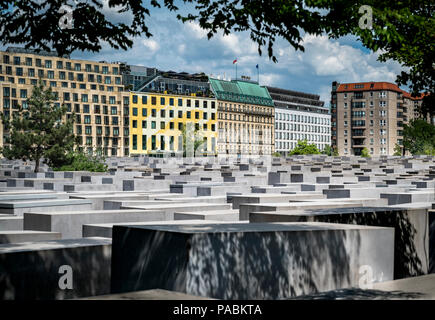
point(157, 121)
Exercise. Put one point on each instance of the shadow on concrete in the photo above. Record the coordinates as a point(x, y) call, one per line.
point(34, 275)
point(407, 262)
point(234, 264)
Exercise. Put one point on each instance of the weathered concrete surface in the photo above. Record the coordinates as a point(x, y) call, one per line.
point(70, 223)
point(30, 271)
point(305, 258)
point(412, 237)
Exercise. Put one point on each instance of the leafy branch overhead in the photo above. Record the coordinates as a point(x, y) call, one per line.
point(402, 30)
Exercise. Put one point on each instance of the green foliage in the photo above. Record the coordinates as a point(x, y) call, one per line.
point(365, 153)
point(304, 148)
point(197, 138)
point(397, 150)
point(276, 154)
point(330, 151)
point(79, 161)
point(401, 30)
point(419, 137)
point(327, 150)
point(39, 132)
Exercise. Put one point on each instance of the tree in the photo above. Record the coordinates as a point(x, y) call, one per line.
point(330, 151)
point(191, 135)
point(419, 137)
point(397, 150)
point(401, 30)
point(365, 153)
point(276, 154)
point(40, 131)
point(304, 148)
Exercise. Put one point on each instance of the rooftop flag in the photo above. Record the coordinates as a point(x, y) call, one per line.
point(256, 66)
point(234, 61)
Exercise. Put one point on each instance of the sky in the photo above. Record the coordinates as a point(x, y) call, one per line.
point(185, 47)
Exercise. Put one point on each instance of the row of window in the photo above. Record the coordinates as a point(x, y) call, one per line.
point(382, 113)
point(61, 75)
point(166, 141)
point(28, 61)
point(301, 127)
point(372, 141)
point(244, 117)
point(362, 123)
point(297, 136)
point(244, 108)
point(360, 95)
point(362, 104)
point(72, 85)
point(171, 114)
point(87, 119)
point(301, 118)
point(99, 130)
point(153, 125)
point(171, 101)
point(372, 132)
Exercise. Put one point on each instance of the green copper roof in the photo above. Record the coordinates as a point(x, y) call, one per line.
point(241, 91)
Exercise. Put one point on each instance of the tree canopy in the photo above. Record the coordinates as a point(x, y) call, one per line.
point(419, 137)
point(40, 131)
point(401, 30)
point(304, 148)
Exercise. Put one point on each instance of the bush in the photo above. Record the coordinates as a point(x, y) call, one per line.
point(78, 161)
point(330, 151)
point(304, 148)
point(397, 150)
point(365, 153)
point(276, 154)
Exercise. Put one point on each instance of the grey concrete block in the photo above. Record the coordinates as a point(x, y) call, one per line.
point(38, 274)
point(304, 258)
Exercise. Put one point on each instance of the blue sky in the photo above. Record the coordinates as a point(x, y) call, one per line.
point(185, 47)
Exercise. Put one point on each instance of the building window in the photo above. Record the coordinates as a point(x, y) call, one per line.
point(134, 142)
point(144, 142)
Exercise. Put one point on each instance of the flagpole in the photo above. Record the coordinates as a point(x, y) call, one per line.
point(236, 70)
point(258, 74)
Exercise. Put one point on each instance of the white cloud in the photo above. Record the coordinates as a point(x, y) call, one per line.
point(196, 30)
point(151, 45)
point(185, 47)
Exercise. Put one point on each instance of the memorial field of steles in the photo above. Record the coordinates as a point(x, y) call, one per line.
point(301, 227)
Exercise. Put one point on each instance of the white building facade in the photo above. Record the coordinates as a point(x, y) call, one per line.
point(299, 116)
